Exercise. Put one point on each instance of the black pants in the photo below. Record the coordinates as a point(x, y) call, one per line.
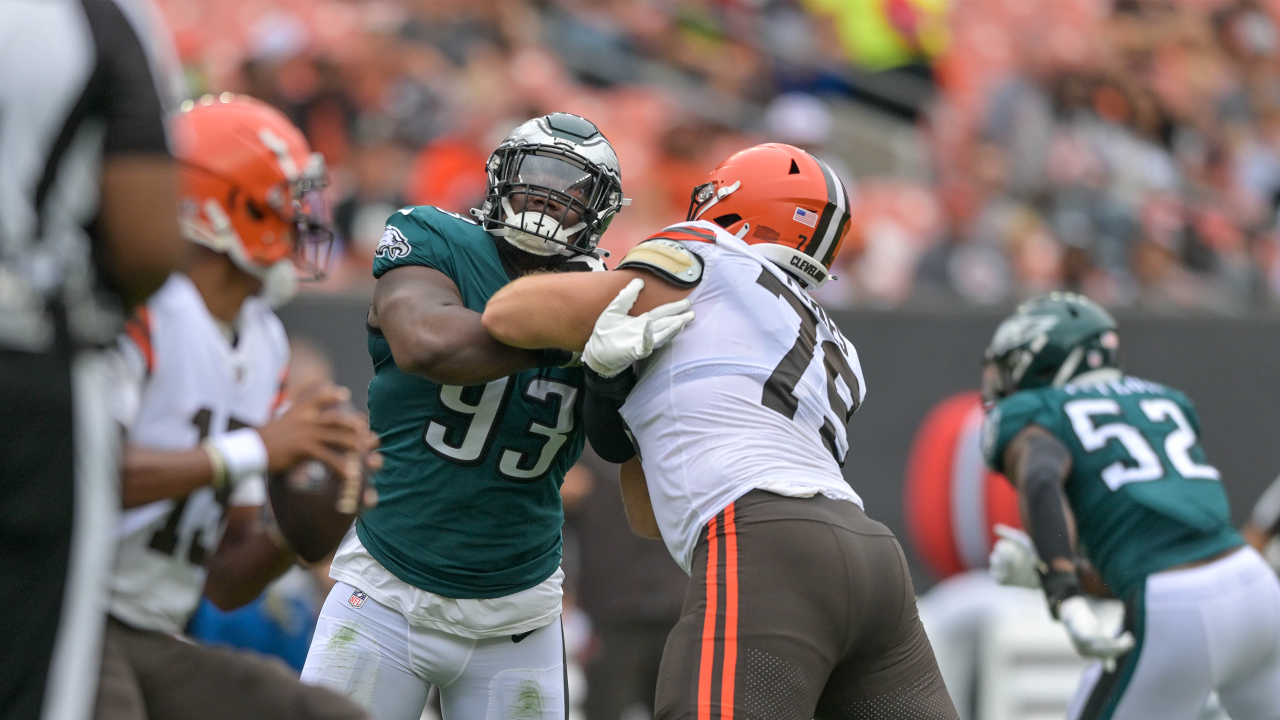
point(37, 484)
point(799, 608)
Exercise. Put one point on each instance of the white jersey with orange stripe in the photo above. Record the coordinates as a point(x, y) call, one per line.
point(180, 377)
point(754, 393)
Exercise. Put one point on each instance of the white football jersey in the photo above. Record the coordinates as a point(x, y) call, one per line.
point(179, 380)
point(754, 393)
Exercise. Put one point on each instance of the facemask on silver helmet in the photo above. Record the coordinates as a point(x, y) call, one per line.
point(554, 186)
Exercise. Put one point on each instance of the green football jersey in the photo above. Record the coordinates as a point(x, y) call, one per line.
point(469, 494)
point(1143, 495)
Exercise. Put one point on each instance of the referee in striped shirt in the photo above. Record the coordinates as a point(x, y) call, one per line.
point(87, 230)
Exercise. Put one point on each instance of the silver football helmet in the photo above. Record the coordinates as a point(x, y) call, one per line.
point(554, 185)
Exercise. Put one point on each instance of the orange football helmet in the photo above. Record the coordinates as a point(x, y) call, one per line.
point(249, 186)
point(783, 200)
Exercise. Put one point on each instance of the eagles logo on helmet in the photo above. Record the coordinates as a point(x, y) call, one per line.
point(786, 203)
point(249, 187)
point(1048, 341)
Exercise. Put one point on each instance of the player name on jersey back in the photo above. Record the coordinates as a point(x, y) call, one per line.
point(1142, 491)
point(766, 385)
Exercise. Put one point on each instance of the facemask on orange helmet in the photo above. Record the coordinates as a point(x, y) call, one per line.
point(787, 204)
point(250, 188)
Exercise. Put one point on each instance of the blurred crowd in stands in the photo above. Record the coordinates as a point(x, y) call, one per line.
point(1129, 149)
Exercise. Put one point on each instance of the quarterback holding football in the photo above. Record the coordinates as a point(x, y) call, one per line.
point(199, 374)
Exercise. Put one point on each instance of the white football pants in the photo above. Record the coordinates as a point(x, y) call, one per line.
point(373, 656)
point(1216, 626)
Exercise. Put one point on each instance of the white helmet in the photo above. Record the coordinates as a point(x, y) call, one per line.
point(568, 174)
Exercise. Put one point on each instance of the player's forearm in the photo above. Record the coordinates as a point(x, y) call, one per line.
point(139, 221)
point(453, 348)
point(1039, 464)
point(1091, 582)
point(635, 500)
point(247, 560)
point(151, 475)
point(545, 311)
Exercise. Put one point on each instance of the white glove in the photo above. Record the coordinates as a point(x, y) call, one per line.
point(1013, 559)
point(619, 339)
point(1088, 634)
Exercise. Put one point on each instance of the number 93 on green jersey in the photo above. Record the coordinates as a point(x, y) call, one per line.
point(469, 493)
point(1142, 492)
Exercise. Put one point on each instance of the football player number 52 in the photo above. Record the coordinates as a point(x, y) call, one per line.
point(1177, 444)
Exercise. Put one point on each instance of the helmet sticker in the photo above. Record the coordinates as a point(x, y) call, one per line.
point(765, 233)
point(806, 217)
point(1019, 330)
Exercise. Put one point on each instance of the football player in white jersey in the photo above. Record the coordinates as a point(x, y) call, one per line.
point(801, 606)
point(198, 379)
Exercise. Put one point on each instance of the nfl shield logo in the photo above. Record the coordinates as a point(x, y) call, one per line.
point(357, 599)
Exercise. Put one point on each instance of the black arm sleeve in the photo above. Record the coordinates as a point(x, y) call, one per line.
point(606, 430)
point(1041, 471)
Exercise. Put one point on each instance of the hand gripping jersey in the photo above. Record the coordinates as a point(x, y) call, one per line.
point(468, 495)
point(1143, 496)
point(754, 393)
point(180, 380)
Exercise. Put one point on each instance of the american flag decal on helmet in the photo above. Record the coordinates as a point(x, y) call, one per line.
point(806, 217)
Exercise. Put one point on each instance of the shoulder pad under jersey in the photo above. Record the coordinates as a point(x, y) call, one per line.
point(668, 259)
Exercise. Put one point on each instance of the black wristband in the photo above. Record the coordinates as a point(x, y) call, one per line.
point(616, 387)
point(1058, 586)
point(554, 357)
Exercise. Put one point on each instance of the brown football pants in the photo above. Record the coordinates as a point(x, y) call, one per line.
point(153, 676)
point(799, 608)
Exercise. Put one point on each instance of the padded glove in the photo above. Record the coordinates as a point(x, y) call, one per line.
point(1013, 559)
point(619, 339)
point(1088, 634)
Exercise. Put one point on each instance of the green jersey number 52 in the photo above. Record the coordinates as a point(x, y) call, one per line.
point(1147, 465)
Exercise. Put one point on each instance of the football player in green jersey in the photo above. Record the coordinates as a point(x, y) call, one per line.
point(1118, 497)
point(454, 579)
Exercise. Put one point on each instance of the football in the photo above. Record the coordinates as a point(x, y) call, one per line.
point(314, 507)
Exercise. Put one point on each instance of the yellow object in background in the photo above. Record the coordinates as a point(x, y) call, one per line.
point(883, 34)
